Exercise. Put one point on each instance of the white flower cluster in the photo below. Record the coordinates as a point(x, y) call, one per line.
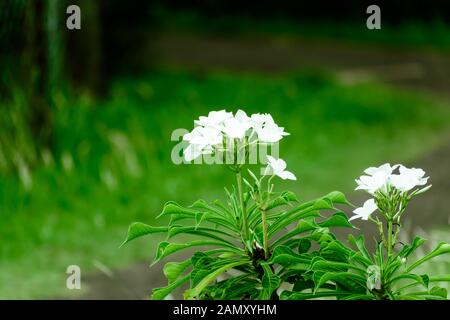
point(219, 127)
point(379, 180)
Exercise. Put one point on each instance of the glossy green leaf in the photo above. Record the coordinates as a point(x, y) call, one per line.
point(304, 245)
point(337, 197)
point(211, 233)
point(407, 250)
point(439, 291)
point(173, 270)
point(166, 248)
point(161, 293)
point(344, 278)
point(286, 295)
point(194, 292)
point(359, 242)
point(284, 256)
point(442, 248)
point(416, 278)
point(339, 219)
point(139, 229)
point(270, 283)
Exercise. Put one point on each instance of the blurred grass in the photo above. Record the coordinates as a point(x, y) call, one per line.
point(111, 161)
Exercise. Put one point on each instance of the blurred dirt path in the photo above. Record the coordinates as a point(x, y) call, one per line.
point(409, 69)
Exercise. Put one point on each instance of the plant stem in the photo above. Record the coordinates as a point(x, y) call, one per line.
point(265, 240)
point(390, 244)
point(241, 200)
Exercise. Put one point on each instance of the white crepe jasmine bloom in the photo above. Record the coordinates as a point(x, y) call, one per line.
point(259, 120)
point(204, 136)
point(237, 126)
point(378, 181)
point(267, 130)
point(277, 167)
point(365, 211)
point(201, 141)
point(214, 118)
point(242, 117)
point(386, 168)
point(408, 178)
point(193, 151)
point(271, 133)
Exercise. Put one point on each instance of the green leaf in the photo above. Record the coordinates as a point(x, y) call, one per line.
point(270, 283)
point(304, 225)
point(286, 295)
point(357, 296)
point(409, 297)
point(200, 231)
point(139, 229)
point(323, 204)
point(326, 265)
point(346, 279)
point(194, 292)
point(337, 197)
point(359, 242)
point(285, 198)
point(172, 270)
point(289, 217)
point(303, 284)
point(335, 250)
point(439, 291)
point(440, 278)
point(416, 278)
point(173, 208)
point(284, 256)
point(161, 293)
point(178, 212)
point(166, 248)
point(442, 248)
point(339, 219)
point(409, 249)
point(204, 263)
point(304, 245)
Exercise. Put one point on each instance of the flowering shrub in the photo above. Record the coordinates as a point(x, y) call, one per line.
point(260, 240)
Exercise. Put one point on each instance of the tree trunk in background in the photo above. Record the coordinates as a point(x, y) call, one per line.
point(38, 73)
point(84, 48)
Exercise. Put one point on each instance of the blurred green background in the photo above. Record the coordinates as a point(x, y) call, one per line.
point(86, 118)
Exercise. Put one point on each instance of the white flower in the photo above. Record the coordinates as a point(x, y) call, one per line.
point(267, 130)
point(204, 136)
point(378, 181)
point(219, 126)
point(259, 120)
point(277, 167)
point(271, 133)
point(201, 141)
point(408, 178)
point(379, 178)
point(193, 151)
point(237, 126)
point(386, 168)
point(365, 211)
point(214, 118)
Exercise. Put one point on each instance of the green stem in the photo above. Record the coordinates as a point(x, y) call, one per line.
point(241, 200)
point(265, 239)
point(390, 244)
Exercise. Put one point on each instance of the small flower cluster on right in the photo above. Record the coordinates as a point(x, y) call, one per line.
point(391, 191)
